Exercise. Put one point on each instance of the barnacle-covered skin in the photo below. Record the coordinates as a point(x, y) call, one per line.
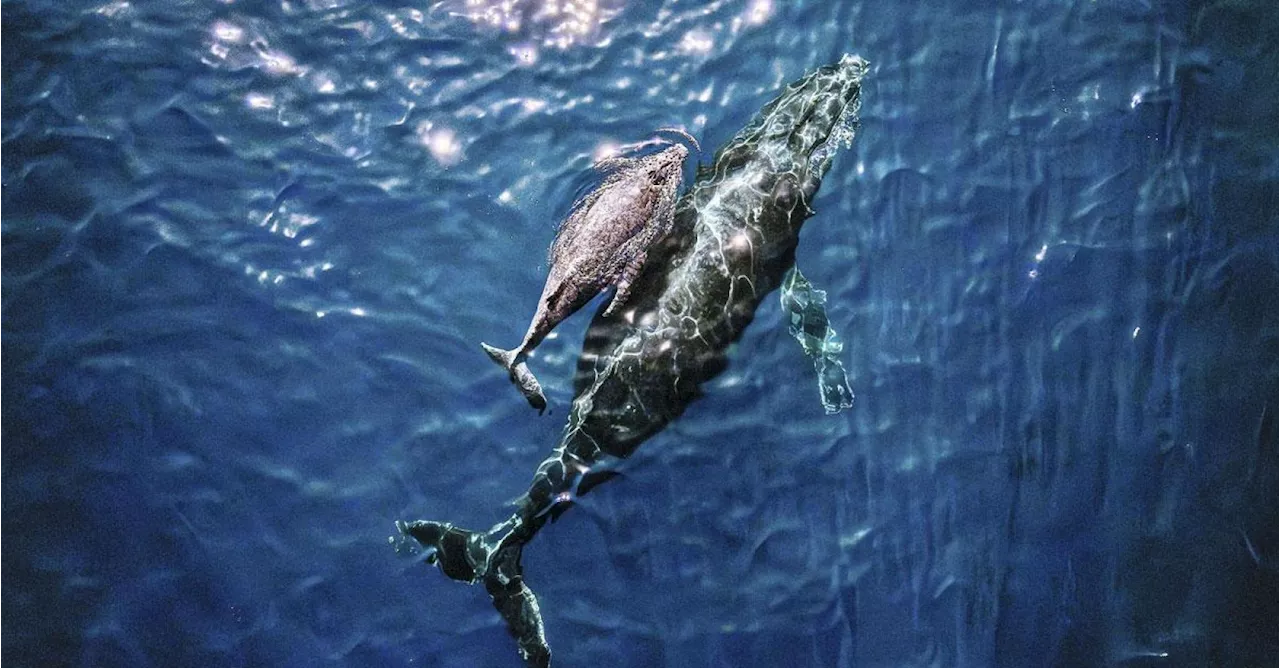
point(735, 237)
point(603, 242)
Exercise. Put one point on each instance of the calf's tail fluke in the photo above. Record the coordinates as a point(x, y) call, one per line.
point(493, 559)
point(521, 376)
point(504, 358)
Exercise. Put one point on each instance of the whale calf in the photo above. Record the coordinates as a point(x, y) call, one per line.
point(603, 241)
point(734, 239)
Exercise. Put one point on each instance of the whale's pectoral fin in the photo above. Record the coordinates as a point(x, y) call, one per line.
point(806, 307)
point(629, 274)
point(833, 384)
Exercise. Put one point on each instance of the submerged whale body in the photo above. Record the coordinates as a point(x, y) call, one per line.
point(735, 237)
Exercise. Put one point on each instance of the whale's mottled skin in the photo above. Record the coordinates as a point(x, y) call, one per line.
point(604, 241)
point(735, 237)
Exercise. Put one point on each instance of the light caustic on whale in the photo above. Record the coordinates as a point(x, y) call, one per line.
point(603, 242)
point(733, 239)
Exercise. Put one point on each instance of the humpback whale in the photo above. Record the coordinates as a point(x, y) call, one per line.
point(603, 241)
point(735, 236)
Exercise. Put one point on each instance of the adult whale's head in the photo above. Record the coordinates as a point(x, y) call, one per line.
point(785, 151)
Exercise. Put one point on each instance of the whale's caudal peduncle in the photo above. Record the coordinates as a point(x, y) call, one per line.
point(734, 239)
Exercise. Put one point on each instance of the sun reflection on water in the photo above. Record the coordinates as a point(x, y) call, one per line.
point(555, 23)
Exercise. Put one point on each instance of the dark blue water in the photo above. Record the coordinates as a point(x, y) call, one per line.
point(250, 250)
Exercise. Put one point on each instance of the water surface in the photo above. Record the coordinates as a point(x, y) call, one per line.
point(250, 249)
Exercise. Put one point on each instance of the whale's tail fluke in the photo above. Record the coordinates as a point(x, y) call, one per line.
point(521, 376)
point(471, 557)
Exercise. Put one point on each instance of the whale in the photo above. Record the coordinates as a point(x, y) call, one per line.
point(604, 241)
point(734, 239)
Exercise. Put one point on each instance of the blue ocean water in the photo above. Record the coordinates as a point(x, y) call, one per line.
point(250, 250)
